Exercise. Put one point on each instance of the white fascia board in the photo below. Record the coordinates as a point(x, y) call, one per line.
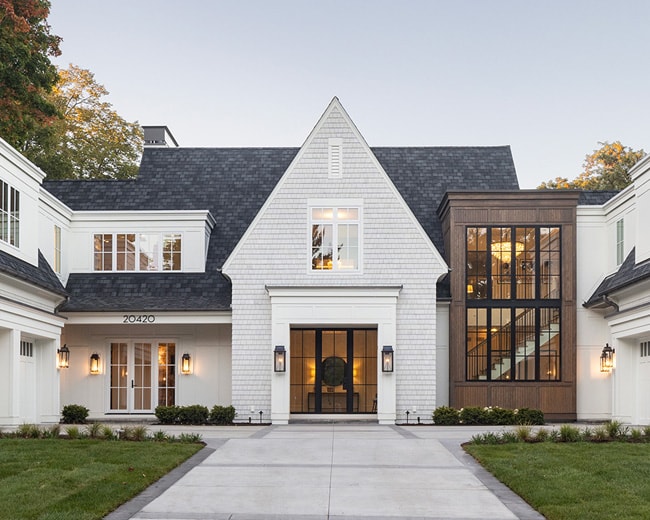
point(26, 293)
point(145, 216)
point(159, 318)
point(620, 199)
point(640, 167)
point(362, 291)
point(278, 186)
point(21, 162)
point(396, 193)
point(54, 205)
point(335, 103)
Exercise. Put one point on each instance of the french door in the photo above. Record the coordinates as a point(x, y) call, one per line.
point(142, 376)
point(333, 370)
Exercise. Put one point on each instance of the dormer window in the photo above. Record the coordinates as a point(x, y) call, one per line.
point(335, 238)
point(137, 252)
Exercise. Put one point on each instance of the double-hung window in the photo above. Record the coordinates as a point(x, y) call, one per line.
point(137, 252)
point(9, 214)
point(335, 238)
point(620, 241)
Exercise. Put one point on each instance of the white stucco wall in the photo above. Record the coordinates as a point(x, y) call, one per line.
point(208, 345)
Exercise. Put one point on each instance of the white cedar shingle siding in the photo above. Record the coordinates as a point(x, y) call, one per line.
point(276, 252)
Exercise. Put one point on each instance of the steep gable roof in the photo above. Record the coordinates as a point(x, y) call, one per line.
point(42, 276)
point(234, 183)
point(628, 274)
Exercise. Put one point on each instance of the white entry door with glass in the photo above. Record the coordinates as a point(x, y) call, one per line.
point(142, 376)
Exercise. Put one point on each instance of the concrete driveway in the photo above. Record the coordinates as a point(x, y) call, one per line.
point(329, 471)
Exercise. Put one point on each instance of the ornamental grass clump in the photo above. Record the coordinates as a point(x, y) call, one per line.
point(569, 433)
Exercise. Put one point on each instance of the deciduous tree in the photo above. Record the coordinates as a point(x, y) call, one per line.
point(90, 141)
point(607, 168)
point(26, 74)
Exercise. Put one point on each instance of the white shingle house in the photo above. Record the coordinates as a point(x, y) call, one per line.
point(334, 280)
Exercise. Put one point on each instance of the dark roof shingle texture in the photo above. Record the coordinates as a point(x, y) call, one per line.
point(233, 184)
point(42, 276)
point(629, 273)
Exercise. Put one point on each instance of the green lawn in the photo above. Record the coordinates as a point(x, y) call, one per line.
point(60, 479)
point(581, 480)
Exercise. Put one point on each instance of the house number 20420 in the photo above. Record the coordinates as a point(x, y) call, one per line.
point(138, 318)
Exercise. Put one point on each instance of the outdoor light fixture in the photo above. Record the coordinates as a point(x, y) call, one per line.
point(94, 363)
point(279, 359)
point(387, 358)
point(607, 358)
point(63, 357)
point(186, 364)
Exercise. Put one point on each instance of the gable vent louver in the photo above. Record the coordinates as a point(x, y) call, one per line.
point(335, 158)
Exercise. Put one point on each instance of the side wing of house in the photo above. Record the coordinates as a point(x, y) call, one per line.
point(616, 309)
point(30, 292)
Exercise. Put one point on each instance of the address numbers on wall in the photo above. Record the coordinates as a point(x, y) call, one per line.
point(138, 318)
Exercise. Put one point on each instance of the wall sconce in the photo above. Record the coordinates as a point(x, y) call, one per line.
point(94, 363)
point(63, 357)
point(279, 359)
point(186, 364)
point(607, 358)
point(387, 358)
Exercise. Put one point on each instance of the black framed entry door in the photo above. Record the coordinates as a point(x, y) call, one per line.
point(333, 370)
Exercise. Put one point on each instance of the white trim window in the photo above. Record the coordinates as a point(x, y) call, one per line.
point(9, 214)
point(620, 241)
point(335, 243)
point(57, 249)
point(137, 252)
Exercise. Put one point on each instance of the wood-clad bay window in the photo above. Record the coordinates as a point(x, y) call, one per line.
point(513, 303)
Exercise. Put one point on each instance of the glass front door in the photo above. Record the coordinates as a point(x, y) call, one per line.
point(333, 370)
point(132, 383)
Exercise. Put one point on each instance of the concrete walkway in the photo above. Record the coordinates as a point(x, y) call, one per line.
point(329, 471)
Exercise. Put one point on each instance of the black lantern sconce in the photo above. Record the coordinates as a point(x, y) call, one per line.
point(607, 358)
point(63, 357)
point(279, 359)
point(186, 364)
point(387, 358)
point(94, 364)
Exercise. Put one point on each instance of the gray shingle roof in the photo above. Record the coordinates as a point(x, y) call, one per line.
point(628, 274)
point(233, 184)
point(42, 276)
point(595, 198)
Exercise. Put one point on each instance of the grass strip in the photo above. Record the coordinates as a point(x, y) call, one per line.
point(574, 480)
point(56, 479)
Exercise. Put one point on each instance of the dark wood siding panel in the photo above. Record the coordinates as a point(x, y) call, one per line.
point(555, 399)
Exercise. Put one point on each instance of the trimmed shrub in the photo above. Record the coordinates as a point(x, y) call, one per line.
point(222, 414)
point(193, 414)
point(74, 414)
point(445, 416)
point(528, 416)
point(500, 416)
point(474, 415)
point(488, 415)
point(167, 414)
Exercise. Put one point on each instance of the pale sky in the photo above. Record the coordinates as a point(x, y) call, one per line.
point(549, 78)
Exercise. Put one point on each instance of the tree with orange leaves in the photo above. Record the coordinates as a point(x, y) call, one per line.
point(607, 168)
point(26, 74)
